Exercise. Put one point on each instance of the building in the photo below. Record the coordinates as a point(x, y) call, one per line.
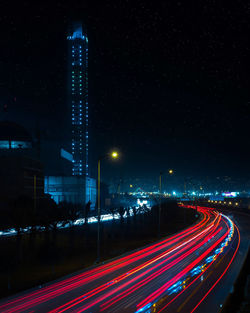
point(77, 188)
point(63, 149)
point(21, 170)
point(71, 189)
point(78, 98)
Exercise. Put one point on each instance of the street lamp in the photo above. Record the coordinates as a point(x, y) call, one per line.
point(170, 172)
point(113, 155)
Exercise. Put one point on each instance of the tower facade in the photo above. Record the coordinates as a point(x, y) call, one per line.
point(78, 97)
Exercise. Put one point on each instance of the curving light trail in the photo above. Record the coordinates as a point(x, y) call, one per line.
point(163, 277)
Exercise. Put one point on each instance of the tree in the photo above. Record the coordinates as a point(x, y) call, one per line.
point(112, 211)
point(121, 212)
point(69, 212)
point(134, 211)
point(48, 213)
point(87, 211)
point(22, 213)
point(128, 211)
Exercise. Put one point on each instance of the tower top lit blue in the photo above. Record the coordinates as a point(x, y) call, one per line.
point(78, 91)
point(77, 32)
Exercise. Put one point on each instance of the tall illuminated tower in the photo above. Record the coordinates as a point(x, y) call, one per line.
point(78, 85)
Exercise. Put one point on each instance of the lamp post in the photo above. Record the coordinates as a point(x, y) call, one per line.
point(170, 172)
point(35, 193)
point(159, 217)
point(113, 155)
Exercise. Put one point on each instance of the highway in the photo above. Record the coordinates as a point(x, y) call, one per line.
point(175, 274)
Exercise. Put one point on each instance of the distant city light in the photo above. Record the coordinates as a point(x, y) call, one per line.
point(231, 194)
point(142, 202)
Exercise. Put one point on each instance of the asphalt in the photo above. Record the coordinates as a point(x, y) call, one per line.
point(193, 270)
point(214, 302)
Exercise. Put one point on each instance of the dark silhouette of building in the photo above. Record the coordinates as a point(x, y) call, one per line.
point(21, 171)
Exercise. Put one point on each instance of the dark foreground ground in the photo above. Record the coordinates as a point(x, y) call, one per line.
point(33, 259)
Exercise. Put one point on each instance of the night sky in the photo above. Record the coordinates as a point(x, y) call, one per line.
point(168, 82)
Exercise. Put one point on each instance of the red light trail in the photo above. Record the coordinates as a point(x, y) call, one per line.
point(153, 279)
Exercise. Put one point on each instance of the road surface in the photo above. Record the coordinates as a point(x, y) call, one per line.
point(176, 274)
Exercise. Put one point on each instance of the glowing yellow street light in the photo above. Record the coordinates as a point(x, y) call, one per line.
point(170, 172)
point(114, 154)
